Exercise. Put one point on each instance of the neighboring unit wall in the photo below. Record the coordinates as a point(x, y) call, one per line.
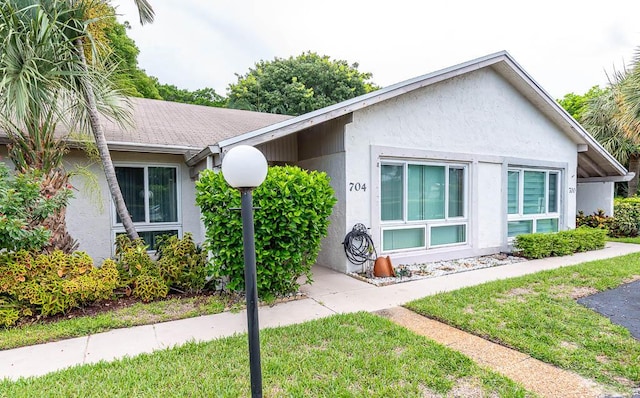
point(478, 119)
point(322, 149)
point(91, 214)
point(594, 196)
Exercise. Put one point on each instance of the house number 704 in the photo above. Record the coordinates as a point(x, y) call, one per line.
point(356, 186)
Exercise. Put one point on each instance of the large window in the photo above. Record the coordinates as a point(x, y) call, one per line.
point(532, 201)
point(151, 196)
point(422, 205)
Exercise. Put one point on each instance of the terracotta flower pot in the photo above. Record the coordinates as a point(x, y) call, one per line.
point(383, 267)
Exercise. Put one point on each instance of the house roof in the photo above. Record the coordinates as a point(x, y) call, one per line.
point(172, 127)
point(166, 124)
point(594, 162)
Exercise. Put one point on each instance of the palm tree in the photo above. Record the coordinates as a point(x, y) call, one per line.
point(146, 15)
point(30, 110)
point(609, 118)
point(44, 62)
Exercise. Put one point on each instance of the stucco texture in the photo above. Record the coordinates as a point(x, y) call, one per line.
point(478, 119)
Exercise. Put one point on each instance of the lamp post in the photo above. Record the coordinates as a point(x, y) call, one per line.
point(244, 167)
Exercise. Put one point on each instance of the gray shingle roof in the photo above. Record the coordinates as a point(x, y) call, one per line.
point(172, 123)
point(158, 123)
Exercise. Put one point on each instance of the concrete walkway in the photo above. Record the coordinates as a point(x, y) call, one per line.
point(331, 293)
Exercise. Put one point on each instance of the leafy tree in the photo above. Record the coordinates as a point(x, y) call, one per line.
point(297, 85)
point(576, 104)
point(205, 96)
point(127, 75)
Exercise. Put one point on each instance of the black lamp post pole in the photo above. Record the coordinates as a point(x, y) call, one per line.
point(251, 289)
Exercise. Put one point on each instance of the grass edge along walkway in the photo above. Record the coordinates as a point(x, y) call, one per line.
point(357, 354)
point(538, 315)
point(536, 376)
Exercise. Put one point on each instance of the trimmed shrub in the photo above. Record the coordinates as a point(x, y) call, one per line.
point(182, 263)
point(293, 206)
point(51, 283)
point(561, 243)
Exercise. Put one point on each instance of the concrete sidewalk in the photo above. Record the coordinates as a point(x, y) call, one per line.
point(331, 293)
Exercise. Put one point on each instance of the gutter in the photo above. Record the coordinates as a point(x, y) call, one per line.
point(151, 148)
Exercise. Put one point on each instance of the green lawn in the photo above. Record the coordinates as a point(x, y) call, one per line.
point(538, 315)
point(359, 355)
point(137, 314)
point(635, 240)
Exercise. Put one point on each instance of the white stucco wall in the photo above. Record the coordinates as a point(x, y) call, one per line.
point(332, 252)
point(90, 215)
point(594, 196)
point(479, 119)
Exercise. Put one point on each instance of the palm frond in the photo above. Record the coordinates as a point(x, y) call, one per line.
point(145, 11)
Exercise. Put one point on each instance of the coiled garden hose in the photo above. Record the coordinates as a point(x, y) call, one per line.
point(358, 245)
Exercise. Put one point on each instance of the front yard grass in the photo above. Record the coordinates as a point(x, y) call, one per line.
point(136, 314)
point(538, 314)
point(359, 355)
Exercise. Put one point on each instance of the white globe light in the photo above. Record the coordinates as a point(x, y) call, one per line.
point(244, 167)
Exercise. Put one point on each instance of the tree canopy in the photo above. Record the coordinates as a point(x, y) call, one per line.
point(204, 96)
point(297, 85)
point(576, 104)
point(124, 53)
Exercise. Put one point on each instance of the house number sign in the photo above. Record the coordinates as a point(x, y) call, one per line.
point(357, 186)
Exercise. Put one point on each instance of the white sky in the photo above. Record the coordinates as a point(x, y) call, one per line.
point(565, 45)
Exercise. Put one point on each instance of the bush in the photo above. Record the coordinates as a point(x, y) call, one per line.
point(291, 218)
point(139, 275)
point(561, 243)
point(181, 263)
point(51, 283)
point(596, 220)
point(23, 208)
point(626, 217)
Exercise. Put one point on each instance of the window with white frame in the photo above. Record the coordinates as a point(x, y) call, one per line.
point(533, 201)
point(422, 205)
point(151, 195)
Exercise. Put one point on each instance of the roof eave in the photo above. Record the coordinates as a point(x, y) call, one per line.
point(623, 178)
point(200, 156)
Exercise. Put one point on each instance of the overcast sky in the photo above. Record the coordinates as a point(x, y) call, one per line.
point(565, 45)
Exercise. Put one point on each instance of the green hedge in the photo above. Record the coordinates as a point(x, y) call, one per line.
point(291, 218)
point(626, 220)
point(561, 243)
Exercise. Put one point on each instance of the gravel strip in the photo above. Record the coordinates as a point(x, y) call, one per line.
point(413, 272)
